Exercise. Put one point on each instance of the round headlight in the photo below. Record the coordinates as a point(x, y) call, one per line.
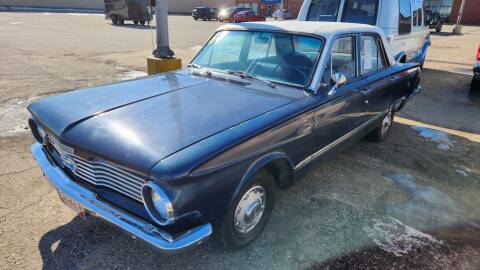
point(157, 203)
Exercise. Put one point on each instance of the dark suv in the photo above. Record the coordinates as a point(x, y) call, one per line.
point(205, 13)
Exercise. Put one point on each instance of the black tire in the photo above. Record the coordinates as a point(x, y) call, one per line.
point(380, 133)
point(232, 238)
point(474, 85)
point(121, 21)
point(114, 20)
point(195, 18)
point(438, 30)
point(135, 22)
point(142, 22)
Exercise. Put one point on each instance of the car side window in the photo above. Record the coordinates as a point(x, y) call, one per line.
point(342, 60)
point(371, 55)
point(405, 21)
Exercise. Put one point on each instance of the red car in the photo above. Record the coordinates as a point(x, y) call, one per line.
point(248, 16)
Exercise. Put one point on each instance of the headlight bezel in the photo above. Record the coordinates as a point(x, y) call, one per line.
point(38, 131)
point(147, 189)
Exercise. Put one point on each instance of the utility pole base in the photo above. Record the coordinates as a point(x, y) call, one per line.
point(457, 29)
point(159, 65)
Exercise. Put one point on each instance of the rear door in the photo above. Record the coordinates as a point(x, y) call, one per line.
point(374, 71)
point(343, 110)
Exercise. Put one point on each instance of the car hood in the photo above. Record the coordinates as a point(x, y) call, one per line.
point(138, 123)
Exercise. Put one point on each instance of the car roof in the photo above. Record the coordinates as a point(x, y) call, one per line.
point(325, 29)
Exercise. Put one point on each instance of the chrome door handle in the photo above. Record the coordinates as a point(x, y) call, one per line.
point(393, 78)
point(366, 90)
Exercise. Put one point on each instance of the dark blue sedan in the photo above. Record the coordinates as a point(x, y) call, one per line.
point(174, 157)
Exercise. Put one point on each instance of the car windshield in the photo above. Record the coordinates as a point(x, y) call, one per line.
point(323, 10)
point(273, 56)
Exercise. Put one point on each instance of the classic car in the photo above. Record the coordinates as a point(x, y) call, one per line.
point(248, 16)
point(174, 157)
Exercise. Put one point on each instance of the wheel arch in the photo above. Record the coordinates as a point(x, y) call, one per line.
point(277, 163)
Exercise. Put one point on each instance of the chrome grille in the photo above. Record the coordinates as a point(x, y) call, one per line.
point(100, 173)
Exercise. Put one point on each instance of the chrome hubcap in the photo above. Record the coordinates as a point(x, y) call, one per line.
point(250, 209)
point(387, 121)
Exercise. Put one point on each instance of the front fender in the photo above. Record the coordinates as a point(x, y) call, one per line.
point(257, 165)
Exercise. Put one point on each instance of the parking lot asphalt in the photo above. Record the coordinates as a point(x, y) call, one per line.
point(409, 203)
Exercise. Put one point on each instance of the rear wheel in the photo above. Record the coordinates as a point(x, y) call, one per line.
point(121, 21)
point(474, 85)
point(250, 212)
point(114, 20)
point(135, 22)
point(142, 22)
point(381, 132)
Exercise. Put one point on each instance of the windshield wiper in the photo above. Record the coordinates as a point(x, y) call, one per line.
point(200, 68)
point(245, 75)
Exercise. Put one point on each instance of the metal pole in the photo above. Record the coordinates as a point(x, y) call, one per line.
point(460, 13)
point(457, 28)
point(161, 17)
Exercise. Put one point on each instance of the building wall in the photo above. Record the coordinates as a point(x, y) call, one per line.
point(293, 5)
point(186, 6)
point(80, 4)
point(471, 12)
point(174, 6)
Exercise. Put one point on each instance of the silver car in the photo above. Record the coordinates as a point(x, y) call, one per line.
point(282, 14)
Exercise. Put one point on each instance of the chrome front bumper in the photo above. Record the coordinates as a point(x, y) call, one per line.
point(133, 225)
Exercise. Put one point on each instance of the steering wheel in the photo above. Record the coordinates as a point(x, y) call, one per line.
point(292, 67)
point(251, 68)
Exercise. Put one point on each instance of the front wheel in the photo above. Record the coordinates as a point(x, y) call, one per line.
point(381, 132)
point(250, 211)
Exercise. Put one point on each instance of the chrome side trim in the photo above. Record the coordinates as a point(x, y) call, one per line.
point(335, 143)
point(130, 223)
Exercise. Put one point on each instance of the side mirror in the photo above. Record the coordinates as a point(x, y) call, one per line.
point(400, 56)
point(338, 80)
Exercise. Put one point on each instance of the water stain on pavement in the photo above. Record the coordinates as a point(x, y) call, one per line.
point(439, 137)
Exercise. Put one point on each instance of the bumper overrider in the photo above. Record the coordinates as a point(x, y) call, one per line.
point(137, 227)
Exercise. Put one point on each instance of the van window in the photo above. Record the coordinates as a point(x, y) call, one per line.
point(415, 18)
point(323, 10)
point(420, 15)
point(405, 21)
point(360, 11)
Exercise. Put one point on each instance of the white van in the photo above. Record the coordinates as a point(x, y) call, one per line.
point(403, 21)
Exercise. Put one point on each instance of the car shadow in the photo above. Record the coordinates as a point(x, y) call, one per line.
point(444, 34)
point(135, 26)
